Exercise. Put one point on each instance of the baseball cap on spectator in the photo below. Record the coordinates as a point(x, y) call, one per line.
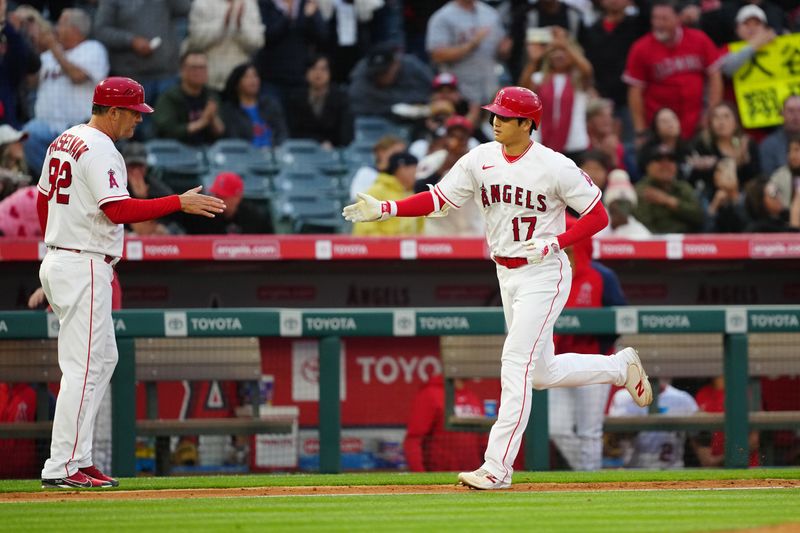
point(750, 11)
point(658, 153)
point(380, 58)
point(445, 79)
point(457, 121)
point(10, 135)
point(619, 187)
point(135, 153)
point(227, 185)
point(401, 159)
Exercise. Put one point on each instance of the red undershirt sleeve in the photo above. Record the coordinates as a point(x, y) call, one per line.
point(132, 210)
point(41, 210)
point(418, 205)
point(586, 226)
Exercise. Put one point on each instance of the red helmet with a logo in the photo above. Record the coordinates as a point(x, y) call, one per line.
point(121, 92)
point(517, 102)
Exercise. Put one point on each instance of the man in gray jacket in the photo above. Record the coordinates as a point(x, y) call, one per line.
point(141, 41)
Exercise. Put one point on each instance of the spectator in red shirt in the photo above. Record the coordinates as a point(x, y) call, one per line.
point(711, 399)
point(670, 67)
point(428, 445)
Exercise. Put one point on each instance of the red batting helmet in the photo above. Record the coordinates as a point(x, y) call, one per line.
point(121, 92)
point(517, 102)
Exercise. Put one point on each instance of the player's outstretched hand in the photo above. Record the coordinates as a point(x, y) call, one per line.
point(194, 203)
point(366, 209)
point(541, 249)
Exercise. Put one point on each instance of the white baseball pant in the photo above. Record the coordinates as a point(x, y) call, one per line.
point(576, 424)
point(78, 287)
point(533, 298)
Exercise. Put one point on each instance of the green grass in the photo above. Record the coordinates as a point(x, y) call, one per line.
point(651, 511)
point(393, 478)
point(590, 511)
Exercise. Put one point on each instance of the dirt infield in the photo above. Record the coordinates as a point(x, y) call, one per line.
point(99, 494)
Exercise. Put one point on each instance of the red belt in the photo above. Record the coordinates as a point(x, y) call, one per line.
point(107, 258)
point(511, 262)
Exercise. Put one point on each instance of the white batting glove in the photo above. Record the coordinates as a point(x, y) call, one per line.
point(367, 209)
point(541, 249)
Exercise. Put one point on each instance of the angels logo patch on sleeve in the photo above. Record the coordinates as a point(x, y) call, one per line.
point(112, 181)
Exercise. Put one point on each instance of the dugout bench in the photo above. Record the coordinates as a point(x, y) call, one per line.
point(699, 355)
point(730, 324)
point(157, 360)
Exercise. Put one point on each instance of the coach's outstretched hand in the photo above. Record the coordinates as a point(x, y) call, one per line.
point(541, 249)
point(194, 203)
point(366, 209)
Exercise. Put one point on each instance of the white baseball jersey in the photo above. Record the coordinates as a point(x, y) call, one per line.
point(82, 171)
point(61, 102)
point(520, 200)
point(656, 449)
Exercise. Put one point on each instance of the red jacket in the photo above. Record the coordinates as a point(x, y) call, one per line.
point(18, 404)
point(586, 291)
point(428, 446)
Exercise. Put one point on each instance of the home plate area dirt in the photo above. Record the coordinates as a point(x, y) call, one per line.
point(67, 495)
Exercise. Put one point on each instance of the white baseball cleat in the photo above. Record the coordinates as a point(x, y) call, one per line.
point(636, 382)
point(482, 480)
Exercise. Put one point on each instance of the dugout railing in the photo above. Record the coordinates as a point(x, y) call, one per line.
point(331, 325)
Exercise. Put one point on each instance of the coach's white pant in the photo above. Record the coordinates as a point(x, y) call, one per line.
point(533, 297)
point(78, 287)
point(576, 424)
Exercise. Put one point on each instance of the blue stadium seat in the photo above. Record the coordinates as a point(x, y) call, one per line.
point(358, 153)
point(369, 129)
point(312, 213)
point(241, 156)
point(180, 165)
point(293, 182)
point(309, 155)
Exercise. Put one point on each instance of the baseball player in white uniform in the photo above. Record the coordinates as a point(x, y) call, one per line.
point(523, 188)
point(656, 449)
point(83, 203)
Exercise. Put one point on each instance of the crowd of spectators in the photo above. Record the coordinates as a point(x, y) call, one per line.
point(637, 92)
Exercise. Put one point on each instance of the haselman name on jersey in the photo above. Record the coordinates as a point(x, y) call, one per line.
point(508, 194)
point(72, 144)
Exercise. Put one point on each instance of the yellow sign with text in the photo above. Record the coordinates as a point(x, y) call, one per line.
point(763, 83)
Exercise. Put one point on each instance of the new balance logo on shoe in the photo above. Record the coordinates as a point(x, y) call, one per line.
point(636, 379)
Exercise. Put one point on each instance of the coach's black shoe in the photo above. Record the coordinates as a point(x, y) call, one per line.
point(95, 473)
point(78, 480)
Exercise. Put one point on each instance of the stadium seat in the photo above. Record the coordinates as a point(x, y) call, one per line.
point(240, 156)
point(359, 153)
point(309, 155)
point(293, 182)
point(368, 129)
point(180, 165)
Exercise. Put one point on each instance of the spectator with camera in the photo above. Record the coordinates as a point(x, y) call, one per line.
point(561, 75)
